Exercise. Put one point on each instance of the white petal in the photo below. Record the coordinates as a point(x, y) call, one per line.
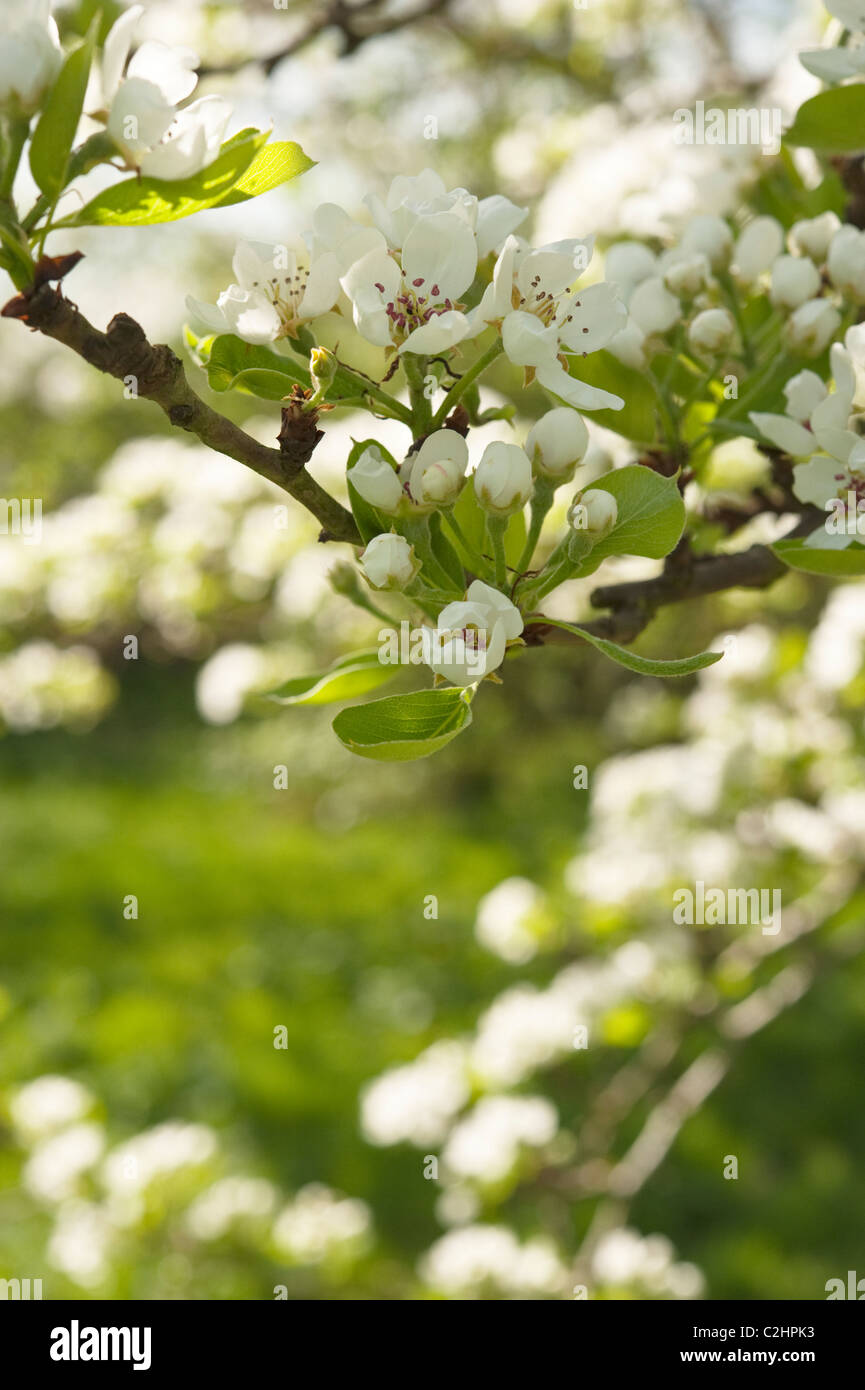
point(441, 252)
point(504, 610)
point(169, 69)
point(818, 481)
point(322, 287)
point(784, 433)
point(441, 333)
point(553, 377)
point(497, 218)
point(206, 316)
point(833, 64)
point(527, 341)
point(115, 51)
point(139, 115)
point(594, 319)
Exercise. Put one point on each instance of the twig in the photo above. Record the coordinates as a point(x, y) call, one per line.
point(123, 351)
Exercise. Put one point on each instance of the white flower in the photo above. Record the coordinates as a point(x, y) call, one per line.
point(813, 235)
point(415, 307)
point(712, 330)
point(846, 262)
point(410, 198)
point(435, 473)
point(759, 245)
point(557, 443)
point(47, 1104)
point(823, 480)
point(685, 272)
point(470, 1258)
point(811, 327)
point(471, 636)
point(319, 1223)
point(141, 98)
point(503, 478)
point(815, 419)
point(55, 1168)
point(278, 288)
point(652, 307)
point(594, 511)
point(376, 481)
point(505, 918)
point(227, 1201)
point(486, 1144)
point(627, 264)
point(389, 562)
point(30, 55)
point(543, 318)
point(712, 237)
point(417, 1102)
point(794, 279)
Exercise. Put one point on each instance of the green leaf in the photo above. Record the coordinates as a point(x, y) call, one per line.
point(141, 202)
point(646, 666)
point(833, 121)
point(651, 514)
point(230, 363)
point(276, 164)
point(445, 551)
point(401, 728)
point(52, 139)
point(839, 564)
point(636, 420)
point(353, 675)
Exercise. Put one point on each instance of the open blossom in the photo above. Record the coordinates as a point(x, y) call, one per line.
point(410, 198)
point(470, 638)
point(30, 55)
point(141, 97)
point(415, 306)
point(278, 288)
point(543, 318)
point(826, 482)
point(814, 419)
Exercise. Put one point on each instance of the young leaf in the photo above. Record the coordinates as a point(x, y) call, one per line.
point(646, 666)
point(353, 675)
point(651, 515)
point(276, 164)
point(833, 121)
point(837, 564)
point(400, 728)
point(636, 419)
point(141, 202)
point(55, 132)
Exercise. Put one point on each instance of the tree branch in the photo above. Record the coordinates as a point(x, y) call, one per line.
point(124, 351)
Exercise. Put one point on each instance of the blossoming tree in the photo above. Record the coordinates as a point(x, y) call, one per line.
point(679, 348)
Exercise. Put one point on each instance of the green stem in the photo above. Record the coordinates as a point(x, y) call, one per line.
point(421, 409)
point(478, 561)
point(456, 392)
point(542, 500)
point(496, 528)
point(18, 130)
point(417, 531)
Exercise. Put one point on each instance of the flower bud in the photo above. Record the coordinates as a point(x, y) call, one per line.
point(503, 479)
point(712, 330)
point(794, 279)
point(343, 580)
point(652, 307)
point(627, 346)
point(376, 481)
point(556, 443)
point(712, 237)
point(389, 562)
point(323, 367)
point(436, 472)
point(811, 327)
point(813, 235)
point(846, 262)
point(759, 245)
point(685, 272)
point(594, 512)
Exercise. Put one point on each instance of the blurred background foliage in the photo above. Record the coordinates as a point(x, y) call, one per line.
point(241, 1160)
